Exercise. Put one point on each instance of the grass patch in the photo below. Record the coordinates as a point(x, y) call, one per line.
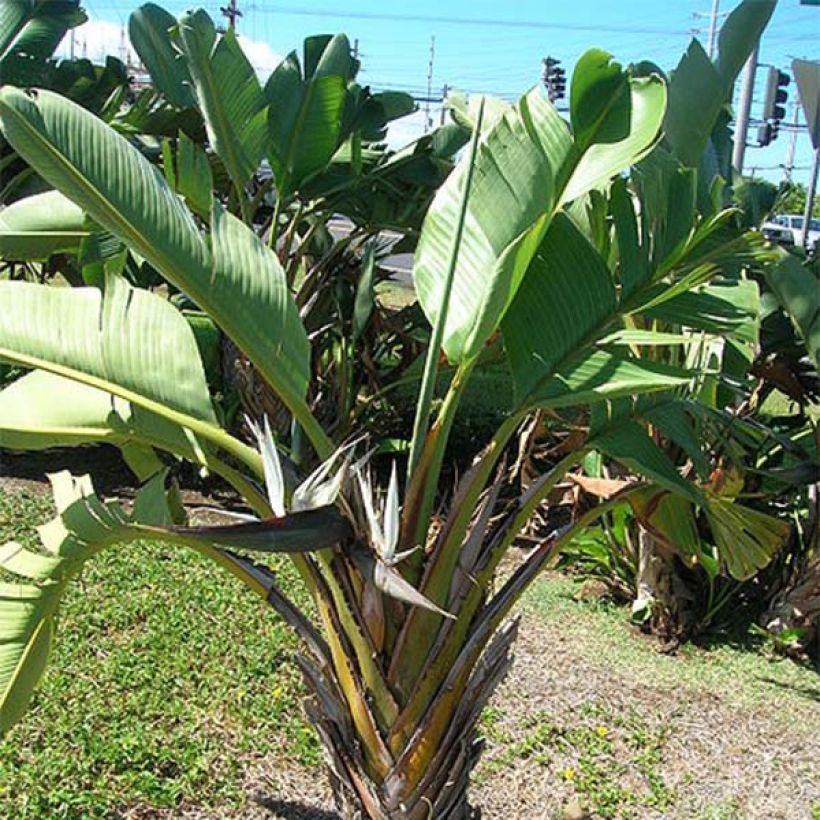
point(746, 675)
point(611, 760)
point(168, 680)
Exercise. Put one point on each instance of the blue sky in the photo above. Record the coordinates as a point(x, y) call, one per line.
point(492, 47)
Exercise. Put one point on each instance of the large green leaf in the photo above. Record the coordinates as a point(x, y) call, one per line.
point(630, 444)
point(34, 28)
point(719, 309)
point(112, 182)
point(699, 89)
point(696, 96)
point(149, 29)
point(601, 375)
point(28, 611)
point(567, 293)
point(129, 339)
point(528, 166)
point(34, 228)
point(306, 112)
point(746, 539)
point(227, 91)
point(42, 410)
point(247, 269)
point(563, 307)
point(797, 288)
point(739, 33)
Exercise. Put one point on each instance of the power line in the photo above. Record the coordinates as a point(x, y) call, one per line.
point(465, 21)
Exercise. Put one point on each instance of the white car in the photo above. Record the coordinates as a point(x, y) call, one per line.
point(795, 223)
point(777, 233)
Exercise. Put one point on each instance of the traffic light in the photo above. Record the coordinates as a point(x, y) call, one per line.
point(554, 78)
point(767, 132)
point(776, 95)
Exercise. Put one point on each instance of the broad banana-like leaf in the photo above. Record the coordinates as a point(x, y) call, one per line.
point(528, 166)
point(464, 109)
point(306, 110)
point(566, 300)
point(34, 28)
point(746, 539)
point(671, 516)
point(739, 33)
point(699, 89)
point(242, 287)
point(149, 29)
point(630, 444)
point(193, 176)
point(227, 92)
point(797, 288)
point(696, 96)
point(266, 320)
point(35, 228)
point(28, 611)
point(676, 420)
point(42, 410)
point(725, 310)
point(602, 375)
point(127, 342)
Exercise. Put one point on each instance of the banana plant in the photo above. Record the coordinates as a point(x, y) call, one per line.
point(30, 30)
point(671, 215)
point(411, 636)
point(208, 123)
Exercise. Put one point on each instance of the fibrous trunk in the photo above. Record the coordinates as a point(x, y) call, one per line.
point(662, 596)
point(407, 790)
point(797, 607)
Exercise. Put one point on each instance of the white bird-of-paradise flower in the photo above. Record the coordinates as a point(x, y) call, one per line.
point(382, 524)
point(319, 489)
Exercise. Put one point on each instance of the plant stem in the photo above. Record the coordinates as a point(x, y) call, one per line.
point(294, 223)
point(274, 225)
point(428, 382)
point(243, 204)
point(424, 485)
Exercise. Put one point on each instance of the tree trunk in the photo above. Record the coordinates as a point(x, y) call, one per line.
point(797, 607)
point(406, 790)
point(662, 596)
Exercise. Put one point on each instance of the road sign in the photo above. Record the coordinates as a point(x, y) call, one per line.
point(807, 76)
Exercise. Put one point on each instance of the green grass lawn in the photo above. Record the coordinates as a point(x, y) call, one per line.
point(167, 681)
point(748, 674)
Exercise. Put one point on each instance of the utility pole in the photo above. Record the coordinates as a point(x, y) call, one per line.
point(810, 191)
point(744, 110)
point(428, 122)
point(444, 91)
point(356, 49)
point(789, 166)
point(713, 18)
point(232, 13)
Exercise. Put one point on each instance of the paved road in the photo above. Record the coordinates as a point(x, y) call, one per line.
point(400, 265)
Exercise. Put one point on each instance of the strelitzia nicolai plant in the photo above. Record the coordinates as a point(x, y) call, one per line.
point(409, 639)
